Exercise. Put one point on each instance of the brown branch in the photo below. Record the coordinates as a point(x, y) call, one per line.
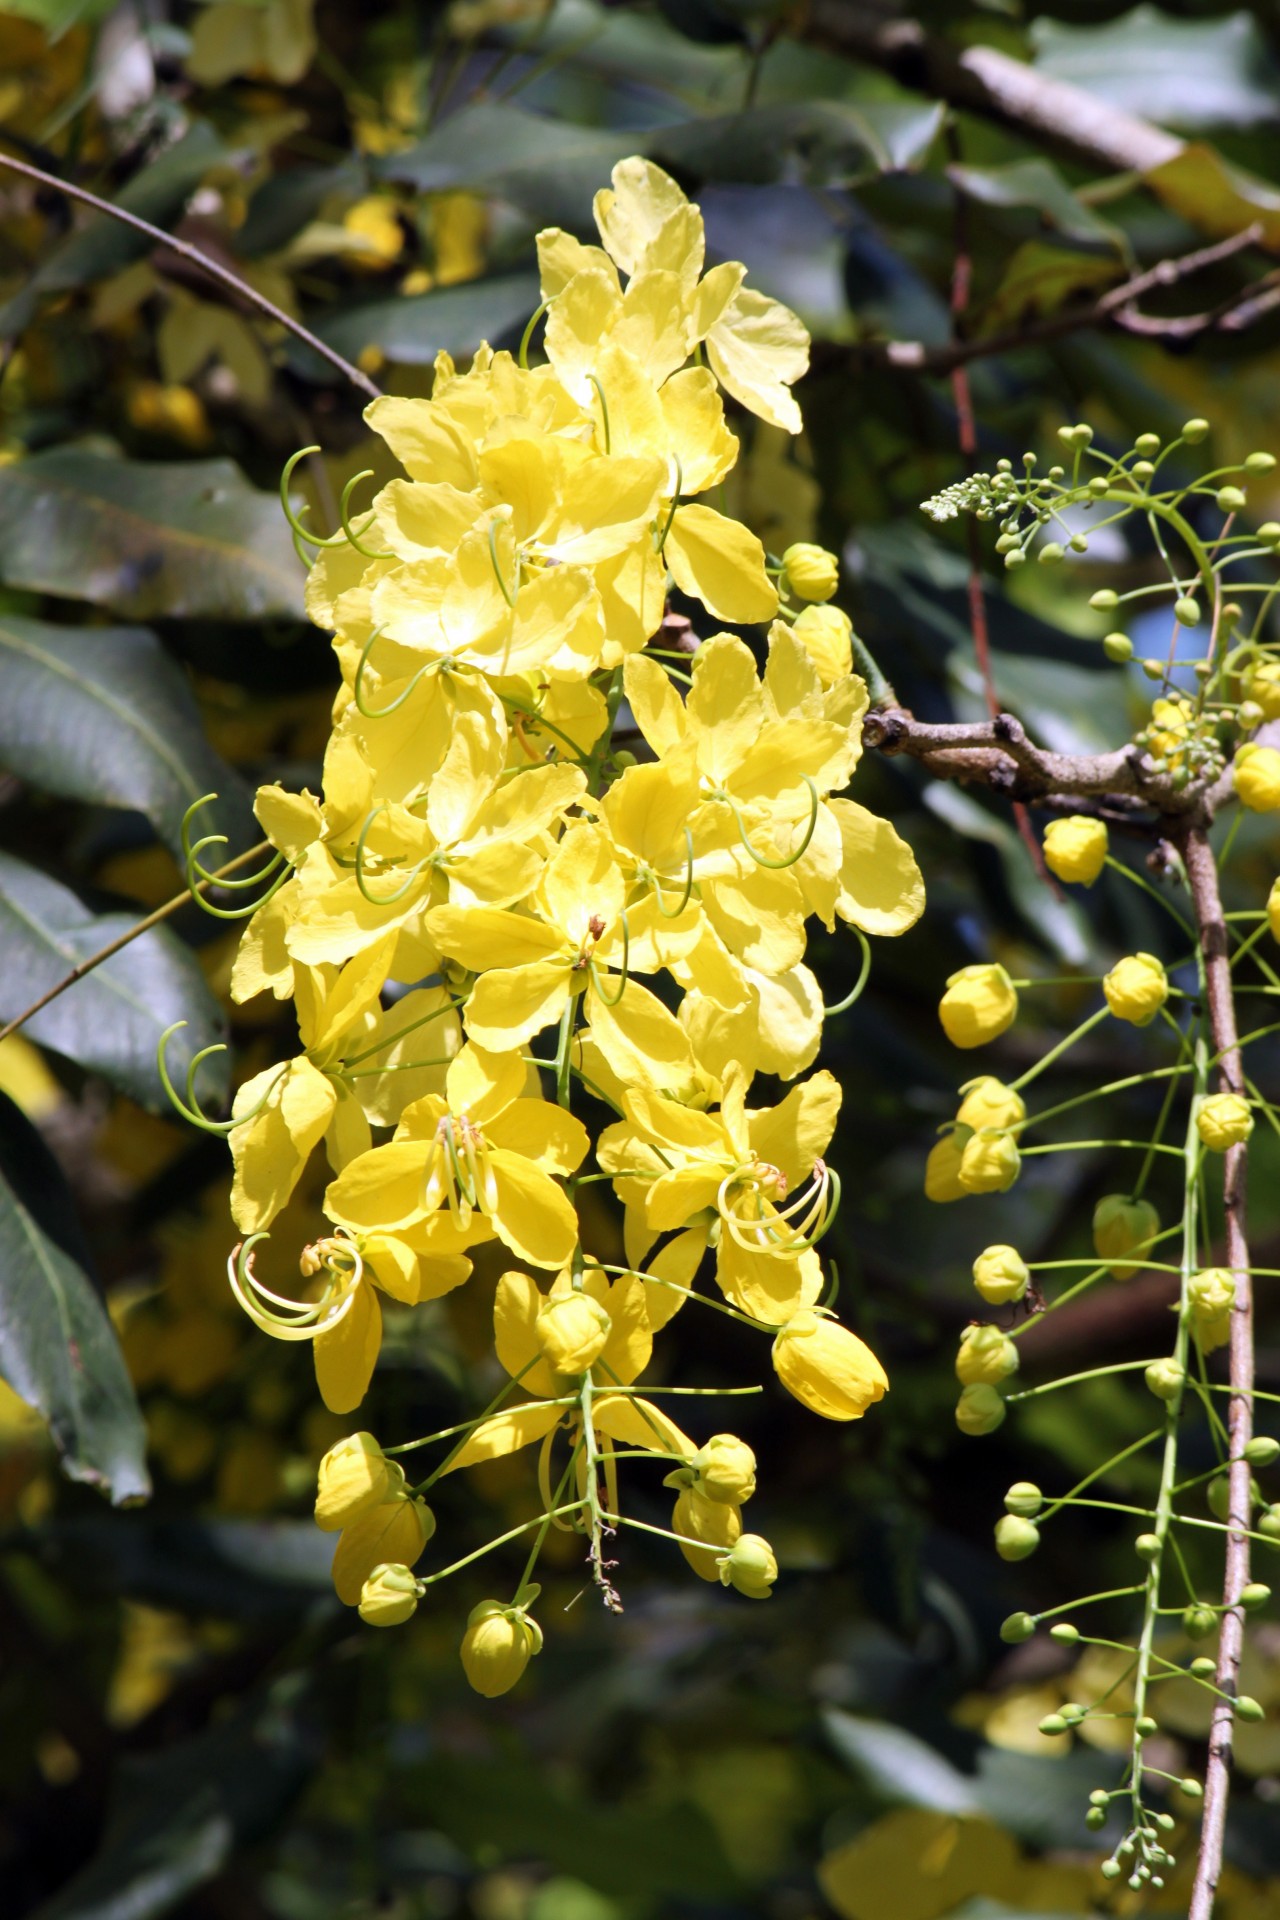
point(984, 81)
point(234, 284)
point(1202, 874)
point(125, 939)
point(1118, 307)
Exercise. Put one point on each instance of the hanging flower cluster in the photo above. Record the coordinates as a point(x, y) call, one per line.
point(498, 910)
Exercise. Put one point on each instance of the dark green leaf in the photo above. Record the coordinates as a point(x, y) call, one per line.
point(147, 539)
point(111, 1020)
point(1182, 73)
point(102, 714)
point(1058, 922)
point(824, 142)
point(236, 1569)
point(1038, 185)
point(450, 320)
point(548, 168)
point(285, 202)
point(58, 1349)
point(899, 1766)
point(1040, 279)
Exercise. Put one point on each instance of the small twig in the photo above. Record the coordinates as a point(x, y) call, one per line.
point(142, 926)
point(999, 753)
point(223, 275)
point(1202, 876)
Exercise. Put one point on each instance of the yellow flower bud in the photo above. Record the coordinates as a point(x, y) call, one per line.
point(989, 1103)
point(824, 633)
point(749, 1566)
point(1016, 1538)
point(1136, 988)
point(1262, 686)
point(990, 1162)
point(1165, 1378)
point(1075, 849)
point(497, 1646)
point(353, 1476)
point(389, 1596)
point(1211, 1295)
point(1223, 1120)
point(942, 1168)
point(1001, 1275)
point(715, 1522)
point(726, 1469)
point(1273, 909)
point(986, 1357)
point(393, 1533)
point(1257, 771)
point(979, 1409)
point(979, 1005)
point(1123, 1230)
point(811, 572)
point(827, 1368)
point(571, 1330)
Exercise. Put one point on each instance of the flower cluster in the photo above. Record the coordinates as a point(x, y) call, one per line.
point(498, 908)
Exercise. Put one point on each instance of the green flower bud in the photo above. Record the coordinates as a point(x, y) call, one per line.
point(1014, 560)
point(1194, 431)
point(1203, 1668)
point(1186, 611)
point(1078, 543)
point(1249, 715)
point(1199, 1622)
point(1016, 1539)
point(1262, 1450)
point(1219, 1496)
point(1260, 463)
point(1230, 499)
point(1154, 669)
point(1065, 1634)
point(1145, 1726)
point(1147, 444)
point(979, 1410)
point(1098, 485)
point(1095, 1818)
point(1247, 1708)
point(1104, 599)
point(1111, 1869)
point(1017, 1628)
point(1165, 1378)
point(1072, 1712)
point(1001, 1275)
point(1192, 1788)
point(1054, 1723)
point(389, 1596)
point(986, 1357)
point(1142, 469)
point(749, 1566)
point(1049, 553)
point(1123, 1230)
point(1118, 647)
point(1268, 1523)
point(1147, 1546)
point(1025, 1498)
point(1255, 1595)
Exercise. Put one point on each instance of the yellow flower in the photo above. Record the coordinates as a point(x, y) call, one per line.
point(942, 1180)
point(1273, 910)
point(986, 1357)
point(389, 1596)
point(749, 1566)
point(989, 1103)
point(979, 1005)
point(1123, 1230)
point(980, 1409)
point(498, 1645)
point(990, 1162)
point(1136, 988)
point(825, 634)
point(726, 1470)
point(705, 1529)
point(393, 1533)
point(1262, 686)
point(376, 234)
point(353, 1476)
point(810, 572)
point(827, 1368)
point(1211, 1295)
point(571, 1330)
point(1257, 775)
point(1223, 1120)
point(1001, 1275)
point(1075, 849)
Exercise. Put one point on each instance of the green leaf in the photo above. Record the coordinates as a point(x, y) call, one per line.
point(898, 1766)
point(548, 168)
point(1180, 73)
point(110, 1021)
point(58, 1349)
point(1040, 279)
point(100, 245)
point(102, 714)
point(449, 319)
point(822, 142)
point(148, 539)
point(1215, 196)
point(1037, 184)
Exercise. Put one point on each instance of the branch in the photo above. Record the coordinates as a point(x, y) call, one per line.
point(999, 754)
point(984, 81)
point(1202, 874)
point(125, 939)
point(211, 268)
point(1118, 308)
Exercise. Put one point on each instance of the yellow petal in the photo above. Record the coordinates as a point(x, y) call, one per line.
point(758, 348)
point(515, 1312)
point(465, 778)
point(532, 1214)
point(346, 1355)
point(395, 1532)
point(798, 1132)
point(881, 890)
point(770, 1287)
point(291, 821)
point(674, 1268)
point(657, 707)
point(271, 1150)
point(632, 217)
point(552, 1139)
point(381, 1189)
point(721, 563)
point(639, 1423)
point(482, 938)
point(482, 1084)
point(509, 1005)
point(629, 1346)
point(507, 1432)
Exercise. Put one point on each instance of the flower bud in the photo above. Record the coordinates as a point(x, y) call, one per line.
point(1249, 715)
point(1199, 1622)
point(1065, 1634)
point(1001, 1275)
point(1204, 1668)
point(1017, 1628)
point(726, 1469)
point(1259, 462)
point(1053, 1723)
point(1165, 1378)
point(811, 573)
point(1255, 1595)
point(1104, 599)
point(571, 1330)
point(990, 1162)
point(1016, 1538)
point(1257, 776)
point(1095, 1818)
point(986, 1357)
point(1223, 1120)
point(705, 1529)
point(979, 1410)
point(827, 1368)
point(989, 1103)
point(1218, 1494)
point(1186, 611)
point(1262, 686)
point(749, 1567)
point(1024, 1498)
point(1247, 1708)
point(825, 634)
point(1118, 647)
point(389, 1596)
point(1136, 988)
point(1075, 849)
point(1147, 1546)
point(1211, 1295)
point(354, 1475)
point(1192, 1788)
point(1268, 1523)
point(979, 1005)
point(1262, 1450)
point(394, 1533)
point(1148, 445)
point(1123, 1231)
point(497, 1647)
point(1194, 431)
point(1273, 910)
point(942, 1169)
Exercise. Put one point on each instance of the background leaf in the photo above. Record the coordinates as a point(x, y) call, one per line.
point(1182, 73)
point(413, 330)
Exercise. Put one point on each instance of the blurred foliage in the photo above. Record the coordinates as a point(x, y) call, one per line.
point(192, 1724)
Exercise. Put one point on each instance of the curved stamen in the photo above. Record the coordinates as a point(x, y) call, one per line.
point(604, 410)
point(296, 527)
point(286, 1319)
point(597, 978)
point(369, 553)
point(855, 993)
point(660, 541)
point(780, 866)
point(188, 1107)
point(190, 854)
point(498, 574)
point(377, 900)
point(819, 1202)
point(526, 337)
point(378, 713)
point(666, 912)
